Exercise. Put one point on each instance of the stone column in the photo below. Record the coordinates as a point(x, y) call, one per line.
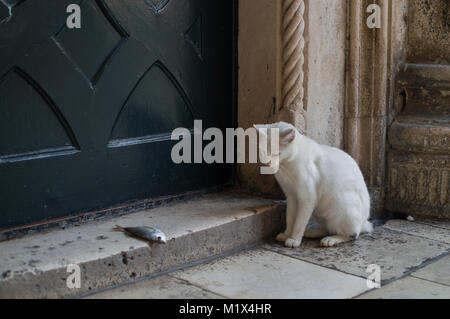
point(367, 95)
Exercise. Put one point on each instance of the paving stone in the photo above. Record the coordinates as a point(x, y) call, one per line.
point(410, 288)
point(438, 272)
point(437, 223)
point(395, 252)
point(164, 287)
point(260, 273)
point(419, 229)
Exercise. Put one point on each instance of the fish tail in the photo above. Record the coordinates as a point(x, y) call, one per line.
point(118, 228)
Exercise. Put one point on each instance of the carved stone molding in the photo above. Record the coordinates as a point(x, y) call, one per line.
point(367, 94)
point(419, 184)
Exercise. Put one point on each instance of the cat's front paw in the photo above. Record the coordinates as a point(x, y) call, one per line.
point(281, 237)
point(292, 243)
point(332, 241)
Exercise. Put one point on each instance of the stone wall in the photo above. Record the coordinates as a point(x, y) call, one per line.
point(428, 31)
point(352, 89)
point(325, 69)
point(258, 83)
point(419, 157)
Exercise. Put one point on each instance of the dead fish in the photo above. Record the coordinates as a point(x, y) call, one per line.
point(144, 232)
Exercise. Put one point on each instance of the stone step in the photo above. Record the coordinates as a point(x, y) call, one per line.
point(36, 266)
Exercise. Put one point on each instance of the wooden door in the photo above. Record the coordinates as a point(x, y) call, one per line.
point(86, 114)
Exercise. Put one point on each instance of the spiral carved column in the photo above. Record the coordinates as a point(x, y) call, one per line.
point(293, 59)
point(293, 29)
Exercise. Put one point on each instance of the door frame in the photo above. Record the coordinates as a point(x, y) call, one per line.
point(373, 58)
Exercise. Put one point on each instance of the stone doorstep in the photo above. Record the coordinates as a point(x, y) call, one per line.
point(36, 266)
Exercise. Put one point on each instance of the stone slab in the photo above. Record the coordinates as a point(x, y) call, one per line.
point(395, 252)
point(164, 287)
point(410, 288)
point(36, 266)
point(436, 223)
point(421, 230)
point(260, 273)
point(438, 272)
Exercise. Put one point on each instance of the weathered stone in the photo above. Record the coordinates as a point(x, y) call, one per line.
point(264, 274)
point(421, 230)
point(410, 288)
point(438, 272)
point(435, 222)
point(36, 266)
point(420, 138)
point(429, 31)
point(367, 83)
point(165, 287)
point(419, 184)
point(425, 89)
point(395, 252)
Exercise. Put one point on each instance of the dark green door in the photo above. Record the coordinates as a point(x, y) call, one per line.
point(86, 114)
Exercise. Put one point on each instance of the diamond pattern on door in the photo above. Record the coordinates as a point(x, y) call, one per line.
point(157, 5)
point(194, 36)
point(92, 46)
point(142, 118)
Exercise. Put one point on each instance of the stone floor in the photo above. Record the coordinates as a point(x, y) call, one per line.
point(413, 258)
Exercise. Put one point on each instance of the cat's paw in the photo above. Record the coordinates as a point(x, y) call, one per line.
point(332, 241)
point(292, 243)
point(281, 237)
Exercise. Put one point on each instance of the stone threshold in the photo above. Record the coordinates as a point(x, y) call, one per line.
point(109, 212)
point(36, 266)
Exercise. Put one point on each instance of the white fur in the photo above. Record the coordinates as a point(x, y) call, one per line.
point(318, 180)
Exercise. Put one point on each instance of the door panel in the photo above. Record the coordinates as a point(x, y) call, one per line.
point(86, 114)
point(156, 87)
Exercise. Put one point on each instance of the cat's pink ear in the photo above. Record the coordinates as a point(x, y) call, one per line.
point(287, 137)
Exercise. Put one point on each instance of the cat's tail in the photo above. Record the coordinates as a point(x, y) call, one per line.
point(367, 227)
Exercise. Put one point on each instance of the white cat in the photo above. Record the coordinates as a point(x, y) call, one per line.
point(319, 181)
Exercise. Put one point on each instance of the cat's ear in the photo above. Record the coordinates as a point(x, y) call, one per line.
point(287, 136)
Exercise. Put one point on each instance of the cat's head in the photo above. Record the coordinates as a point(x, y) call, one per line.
point(270, 153)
